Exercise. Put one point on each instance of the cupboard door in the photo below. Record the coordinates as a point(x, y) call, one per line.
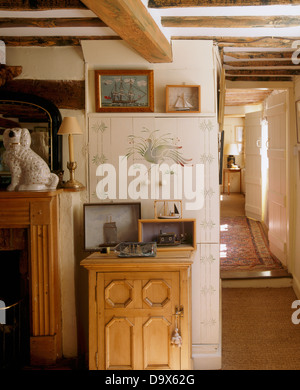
point(135, 312)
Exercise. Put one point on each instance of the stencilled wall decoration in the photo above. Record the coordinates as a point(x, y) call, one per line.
point(195, 140)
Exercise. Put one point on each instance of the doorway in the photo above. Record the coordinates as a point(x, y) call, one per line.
point(245, 200)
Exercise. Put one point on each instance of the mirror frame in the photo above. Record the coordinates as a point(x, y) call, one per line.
point(55, 120)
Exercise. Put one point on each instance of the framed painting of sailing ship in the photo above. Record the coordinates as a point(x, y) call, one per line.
point(124, 90)
point(108, 224)
point(183, 98)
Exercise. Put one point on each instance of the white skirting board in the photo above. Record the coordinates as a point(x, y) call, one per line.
point(207, 357)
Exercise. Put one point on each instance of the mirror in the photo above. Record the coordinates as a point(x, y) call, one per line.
point(41, 117)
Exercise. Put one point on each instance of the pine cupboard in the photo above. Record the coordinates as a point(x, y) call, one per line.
point(135, 305)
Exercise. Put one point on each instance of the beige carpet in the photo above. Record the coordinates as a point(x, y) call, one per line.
point(232, 205)
point(257, 330)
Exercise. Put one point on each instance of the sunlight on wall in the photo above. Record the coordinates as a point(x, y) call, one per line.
point(223, 250)
point(264, 167)
point(2, 313)
point(223, 247)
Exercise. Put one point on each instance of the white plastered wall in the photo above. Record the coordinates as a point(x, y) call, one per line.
point(193, 63)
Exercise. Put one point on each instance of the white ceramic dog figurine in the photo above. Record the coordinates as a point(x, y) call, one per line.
point(29, 172)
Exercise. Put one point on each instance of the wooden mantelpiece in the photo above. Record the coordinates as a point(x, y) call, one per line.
point(38, 212)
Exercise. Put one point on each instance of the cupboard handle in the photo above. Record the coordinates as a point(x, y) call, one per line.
point(179, 311)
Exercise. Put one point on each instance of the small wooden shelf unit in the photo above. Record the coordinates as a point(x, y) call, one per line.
point(149, 229)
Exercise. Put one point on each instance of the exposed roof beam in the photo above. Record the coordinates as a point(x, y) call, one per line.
point(260, 55)
point(258, 78)
point(263, 72)
point(215, 3)
point(231, 21)
point(29, 5)
point(282, 42)
point(255, 63)
point(51, 22)
point(53, 40)
point(133, 23)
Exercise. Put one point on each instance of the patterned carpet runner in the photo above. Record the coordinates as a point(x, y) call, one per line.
point(244, 246)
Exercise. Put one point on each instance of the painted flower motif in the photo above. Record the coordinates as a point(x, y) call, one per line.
point(156, 149)
point(99, 127)
point(206, 125)
point(97, 160)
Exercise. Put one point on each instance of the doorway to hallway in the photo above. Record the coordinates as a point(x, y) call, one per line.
point(244, 249)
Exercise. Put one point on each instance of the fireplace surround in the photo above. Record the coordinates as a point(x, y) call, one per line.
point(37, 213)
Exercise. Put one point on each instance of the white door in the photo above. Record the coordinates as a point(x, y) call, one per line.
point(253, 187)
point(276, 116)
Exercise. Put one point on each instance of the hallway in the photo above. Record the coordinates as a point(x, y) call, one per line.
point(257, 330)
point(233, 205)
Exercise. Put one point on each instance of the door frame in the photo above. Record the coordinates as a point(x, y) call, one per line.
point(291, 140)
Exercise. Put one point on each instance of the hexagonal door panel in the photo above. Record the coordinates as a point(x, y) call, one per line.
point(118, 293)
point(156, 293)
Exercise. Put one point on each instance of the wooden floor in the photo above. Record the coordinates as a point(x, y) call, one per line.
point(234, 205)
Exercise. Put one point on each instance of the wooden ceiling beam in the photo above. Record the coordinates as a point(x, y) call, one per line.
point(231, 21)
point(263, 72)
point(215, 3)
point(48, 41)
point(260, 55)
point(50, 22)
point(131, 20)
point(263, 42)
point(257, 78)
point(254, 63)
point(40, 5)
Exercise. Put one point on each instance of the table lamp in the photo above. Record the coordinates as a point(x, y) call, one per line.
point(231, 150)
point(70, 126)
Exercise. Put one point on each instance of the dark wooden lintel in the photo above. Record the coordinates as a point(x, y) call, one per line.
point(64, 94)
point(215, 3)
point(260, 54)
point(273, 42)
point(29, 5)
point(231, 21)
point(257, 78)
point(254, 63)
point(263, 72)
point(7, 73)
point(53, 41)
point(51, 22)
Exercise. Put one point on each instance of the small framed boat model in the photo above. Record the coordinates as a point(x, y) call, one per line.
point(168, 209)
point(183, 98)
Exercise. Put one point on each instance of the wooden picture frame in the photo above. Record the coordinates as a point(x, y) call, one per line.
point(183, 98)
point(110, 219)
point(298, 120)
point(124, 90)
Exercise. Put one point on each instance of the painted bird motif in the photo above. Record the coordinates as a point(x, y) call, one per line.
point(156, 150)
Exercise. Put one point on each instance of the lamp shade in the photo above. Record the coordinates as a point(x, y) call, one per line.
point(69, 125)
point(231, 150)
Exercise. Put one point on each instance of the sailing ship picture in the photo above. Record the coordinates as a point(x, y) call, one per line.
point(124, 90)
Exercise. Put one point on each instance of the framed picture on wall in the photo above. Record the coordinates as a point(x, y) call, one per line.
point(298, 120)
point(108, 224)
point(183, 98)
point(124, 90)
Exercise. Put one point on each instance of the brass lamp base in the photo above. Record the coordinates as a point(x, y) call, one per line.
point(72, 183)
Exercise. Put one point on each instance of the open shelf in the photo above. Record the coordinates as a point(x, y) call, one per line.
point(170, 234)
